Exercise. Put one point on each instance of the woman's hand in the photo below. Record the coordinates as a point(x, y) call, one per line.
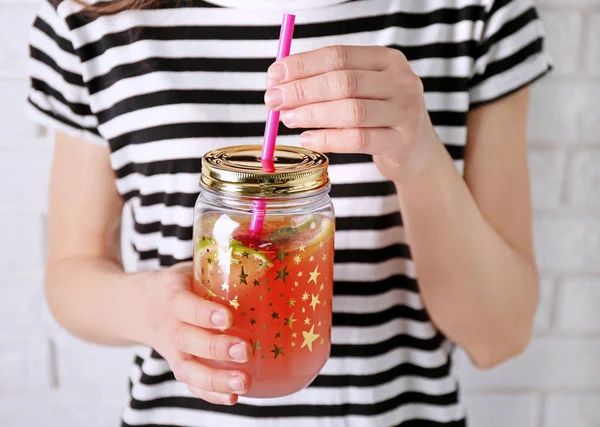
point(183, 326)
point(365, 100)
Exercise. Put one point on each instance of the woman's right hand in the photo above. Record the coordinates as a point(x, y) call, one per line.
point(181, 326)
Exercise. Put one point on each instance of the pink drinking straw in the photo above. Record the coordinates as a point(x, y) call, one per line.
point(272, 126)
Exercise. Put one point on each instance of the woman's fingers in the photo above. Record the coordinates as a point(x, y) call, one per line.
point(373, 141)
point(313, 63)
point(202, 377)
point(206, 345)
point(212, 397)
point(190, 308)
point(344, 113)
point(331, 86)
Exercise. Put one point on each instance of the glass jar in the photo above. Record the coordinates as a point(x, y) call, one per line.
point(277, 278)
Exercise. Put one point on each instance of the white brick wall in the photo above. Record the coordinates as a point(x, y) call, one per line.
point(572, 409)
point(556, 383)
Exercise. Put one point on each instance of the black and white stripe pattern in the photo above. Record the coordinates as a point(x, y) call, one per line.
point(161, 87)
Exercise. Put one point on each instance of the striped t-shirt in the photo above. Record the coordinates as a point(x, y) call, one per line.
point(162, 87)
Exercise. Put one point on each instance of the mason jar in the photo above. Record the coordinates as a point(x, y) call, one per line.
point(263, 247)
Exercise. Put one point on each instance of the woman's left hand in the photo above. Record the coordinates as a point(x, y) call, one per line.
point(362, 100)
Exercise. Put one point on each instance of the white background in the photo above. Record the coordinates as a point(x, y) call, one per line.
point(48, 379)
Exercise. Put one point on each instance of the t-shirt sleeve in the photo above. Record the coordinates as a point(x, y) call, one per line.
point(58, 97)
point(510, 51)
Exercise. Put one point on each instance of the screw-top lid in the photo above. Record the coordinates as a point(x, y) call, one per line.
point(239, 171)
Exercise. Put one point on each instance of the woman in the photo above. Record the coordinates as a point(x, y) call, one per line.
point(421, 106)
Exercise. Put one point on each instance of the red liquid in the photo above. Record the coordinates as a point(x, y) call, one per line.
point(280, 298)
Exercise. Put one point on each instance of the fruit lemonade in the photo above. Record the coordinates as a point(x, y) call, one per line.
point(279, 287)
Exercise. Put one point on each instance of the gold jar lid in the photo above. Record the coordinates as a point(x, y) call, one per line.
point(239, 171)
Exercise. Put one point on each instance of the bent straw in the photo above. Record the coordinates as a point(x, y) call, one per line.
point(272, 126)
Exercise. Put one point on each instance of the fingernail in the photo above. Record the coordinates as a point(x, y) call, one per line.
point(236, 384)
point(288, 117)
point(277, 72)
point(306, 140)
point(226, 399)
point(219, 318)
point(274, 98)
point(238, 352)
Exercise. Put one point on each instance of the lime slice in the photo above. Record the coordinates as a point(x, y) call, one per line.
point(241, 251)
point(307, 222)
point(238, 251)
point(288, 234)
point(206, 242)
point(315, 230)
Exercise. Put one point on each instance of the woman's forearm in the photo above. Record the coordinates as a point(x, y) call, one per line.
point(96, 300)
point(479, 291)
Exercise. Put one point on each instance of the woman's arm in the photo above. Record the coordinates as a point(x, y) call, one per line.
point(87, 290)
point(91, 296)
point(472, 242)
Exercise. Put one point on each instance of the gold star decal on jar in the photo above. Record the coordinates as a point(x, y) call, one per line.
point(314, 301)
point(246, 254)
point(291, 302)
point(294, 335)
point(321, 287)
point(322, 341)
point(277, 351)
point(278, 335)
point(296, 284)
point(301, 248)
point(305, 296)
point(252, 321)
point(225, 287)
point(293, 344)
point(309, 338)
point(299, 274)
point(243, 276)
point(282, 274)
point(307, 321)
point(312, 258)
point(234, 303)
point(303, 310)
point(297, 259)
point(321, 244)
point(289, 321)
point(324, 257)
point(275, 315)
point(256, 282)
point(314, 275)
